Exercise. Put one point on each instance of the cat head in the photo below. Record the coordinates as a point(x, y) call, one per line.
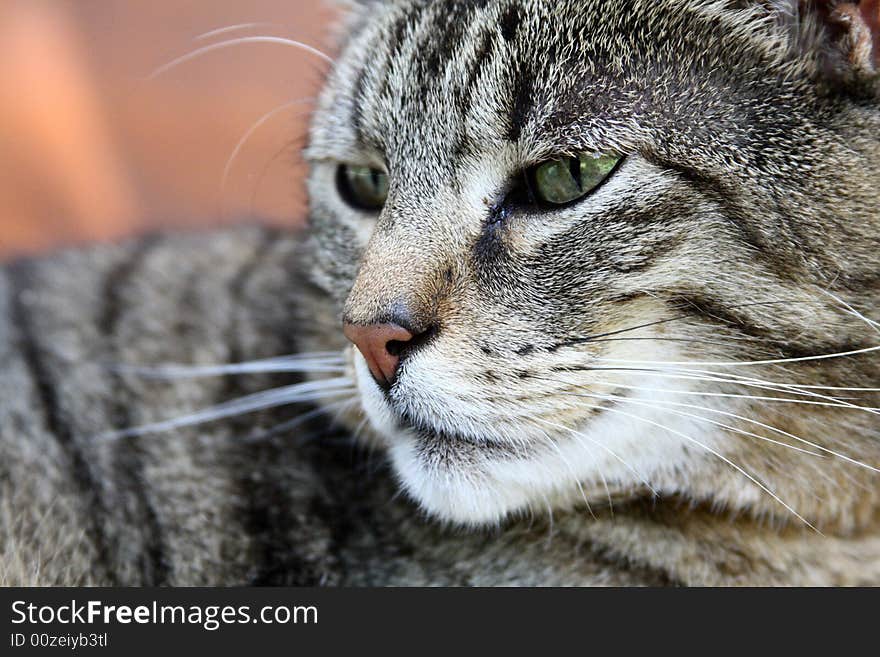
point(589, 249)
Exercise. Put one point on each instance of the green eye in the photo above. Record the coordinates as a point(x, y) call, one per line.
point(362, 187)
point(567, 179)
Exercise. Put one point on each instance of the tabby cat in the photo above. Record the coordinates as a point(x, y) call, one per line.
point(588, 296)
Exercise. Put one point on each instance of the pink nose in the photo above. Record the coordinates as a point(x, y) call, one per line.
point(380, 346)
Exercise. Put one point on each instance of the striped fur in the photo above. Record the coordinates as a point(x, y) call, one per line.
point(205, 506)
point(743, 226)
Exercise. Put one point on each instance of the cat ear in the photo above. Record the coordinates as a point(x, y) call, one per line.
point(844, 34)
point(858, 27)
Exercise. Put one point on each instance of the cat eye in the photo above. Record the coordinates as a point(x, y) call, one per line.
point(362, 187)
point(566, 179)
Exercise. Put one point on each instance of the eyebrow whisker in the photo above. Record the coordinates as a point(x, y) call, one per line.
point(268, 116)
point(233, 28)
point(234, 42)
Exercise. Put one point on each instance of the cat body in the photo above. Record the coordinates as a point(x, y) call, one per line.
point(215, 504)
point(218, 504)
point(670, 379)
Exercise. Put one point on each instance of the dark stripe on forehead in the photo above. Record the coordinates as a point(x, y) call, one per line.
point(502, 30)
point(521, 101)
point(510, 22)
point(450, 27)
point(357, 112)
point(391, 49)
point(402, 25)
point(467, 93)
point(482, 54)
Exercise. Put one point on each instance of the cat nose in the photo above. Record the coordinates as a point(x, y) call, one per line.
point(380, 345)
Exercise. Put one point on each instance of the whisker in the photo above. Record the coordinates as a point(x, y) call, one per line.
point(652, 404)
point(833, 402)
point(803, 390)
point(852, 311)
point(289, 148)
point(756, 423)
point(719, 412)
point(292, 394)
point(298, 420)
point(359, 429)
point(795, 388)
point(601, 337)
point(732, 378)
point(678, 318)
point(649, 338)
point(600, 445)
point(601, 477)
point(171, 371)
point(741, 363)
point(233, 28)
point(571, 472)
point(250, 132)
point(235, 42)
point(723, 458)
point(800, 386)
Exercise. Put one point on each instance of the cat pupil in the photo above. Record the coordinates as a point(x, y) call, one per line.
point(567, 179)
point(363, 188)
point(574, 167)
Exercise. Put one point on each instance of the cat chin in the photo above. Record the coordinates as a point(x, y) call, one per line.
point(458, 483)
point(481, 483)
point(474, 485)
point(449, 479)
point(449, 492)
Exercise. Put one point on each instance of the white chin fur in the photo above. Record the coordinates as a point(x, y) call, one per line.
point(466, 498)
point(470, 487)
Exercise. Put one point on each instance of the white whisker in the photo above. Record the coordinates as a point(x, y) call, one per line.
point(247, 135)
point(833, 402)
point(851, 310)
point(826, 400)
point(235, 42)
point(652, 405)
point(170, 371)
point(574, 476)
point(298, 420)
point(293, 394)
point(601, 476)
point(775, 386)
point(233, 28)
point(678, 318)
point(601, 446)
point(756, 423)
point(743, 363)
point(713, 452)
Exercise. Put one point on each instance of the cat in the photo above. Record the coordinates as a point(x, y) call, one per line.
point(589, 295)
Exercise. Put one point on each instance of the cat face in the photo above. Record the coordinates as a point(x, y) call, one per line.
point(576, 243)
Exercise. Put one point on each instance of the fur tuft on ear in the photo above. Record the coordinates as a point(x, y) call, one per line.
point(860, 22)
point(841, 37)
point(349, 14)
point(848, 34)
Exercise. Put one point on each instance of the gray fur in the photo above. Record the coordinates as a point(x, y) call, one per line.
point(748, 194)
point(206, 506)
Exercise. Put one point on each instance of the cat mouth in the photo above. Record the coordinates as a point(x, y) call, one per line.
point(450, 445)
point(454, 436)
point(456, 453)
point(427, 432)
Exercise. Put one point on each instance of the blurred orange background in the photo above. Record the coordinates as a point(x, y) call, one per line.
point(91, 148)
